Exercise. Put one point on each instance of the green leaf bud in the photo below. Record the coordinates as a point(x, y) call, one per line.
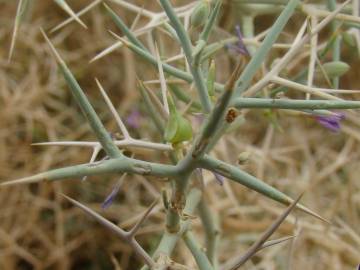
point(243, 157)
point(200, 14)
point(178, 128)
point(349, 39)
point(336, 68)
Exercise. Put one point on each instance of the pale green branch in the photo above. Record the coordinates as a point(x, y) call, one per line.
point(98, 128)
point(236, 174)
point(265, 103)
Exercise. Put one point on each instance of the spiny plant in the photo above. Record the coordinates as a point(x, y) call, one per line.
point(217, 105)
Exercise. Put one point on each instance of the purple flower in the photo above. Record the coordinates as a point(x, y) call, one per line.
point(199, 118)
point(331, 122)
point(219, 178)
point(134, 119)
point(110, 198)
point(240, 46)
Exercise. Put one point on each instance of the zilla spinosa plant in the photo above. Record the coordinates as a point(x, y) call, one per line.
point(217, 104)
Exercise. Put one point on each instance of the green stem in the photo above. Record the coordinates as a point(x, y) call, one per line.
point(212, 232)
point(215, 119)
point(337, 57)
point(169, 240)
point(112, 166)
point(123, 27)
point(176, 72)
point(98, 128)
point(211, 22)
point(177, 201)
point(167, 68)
point(200, 257)
point(237, 175)
point(247, 24)
point(259, 57)
point(101, 133)
point(187, 47)
point(182, 96)
point(245, 179)
point(265, 103)
point(336, 47)
point(204, 36)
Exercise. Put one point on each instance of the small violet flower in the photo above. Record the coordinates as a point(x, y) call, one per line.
point(110, 198)
point(331, 122)
point(199, 119)
point(134, 119)
point(219, 178)
point(240, 46)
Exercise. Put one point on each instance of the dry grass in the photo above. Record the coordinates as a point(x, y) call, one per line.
point(39, 230)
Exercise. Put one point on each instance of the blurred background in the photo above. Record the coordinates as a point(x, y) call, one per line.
point(39, 230)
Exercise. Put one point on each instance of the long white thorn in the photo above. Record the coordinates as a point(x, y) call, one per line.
point(329, 18)
point(118, 231)
point(53, 50)
point(118, 120)
point(134, 8)
point(69, 11)
point(137, 18)
point(142, 219)
point(16, 29)
point(162, 80)
point(94, 154)
point(304, 88)
point(276, 241)
point(277, 68)
point(298, 44)
point(26, 180)
point(107, 51)
point(122, 143)
point(78, 14)
point(156, 19)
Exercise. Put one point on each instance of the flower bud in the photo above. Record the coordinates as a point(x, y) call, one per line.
point(200, 14)
point(349, 39)
point(336, 68)
point(243, 157)
point(178, 128)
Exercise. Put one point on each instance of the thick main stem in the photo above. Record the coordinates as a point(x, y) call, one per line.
point(169, 240)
